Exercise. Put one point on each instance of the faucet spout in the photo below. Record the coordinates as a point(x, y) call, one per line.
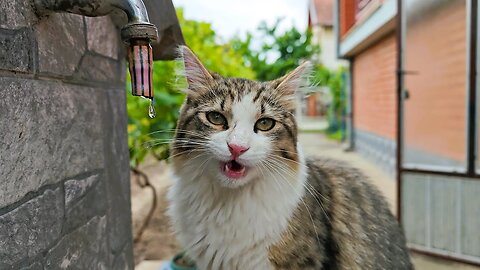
point(138, 33)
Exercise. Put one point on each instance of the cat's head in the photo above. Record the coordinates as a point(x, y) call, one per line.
point(236, 130)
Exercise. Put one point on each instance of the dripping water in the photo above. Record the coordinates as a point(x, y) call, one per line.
point(151, 110)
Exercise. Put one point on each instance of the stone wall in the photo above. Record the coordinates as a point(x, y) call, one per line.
point(64, 164)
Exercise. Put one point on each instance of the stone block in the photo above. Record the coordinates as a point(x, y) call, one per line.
point(76, 188)
point(124, 260)
point(102, 36)
point(117, 169)
point(31, 227)
point(16, 49)
point(51, 131)
point(61, 43)
point(34, 266)
point(80, 211)
point(84, 248)
point(94, 68)
point(16, 14)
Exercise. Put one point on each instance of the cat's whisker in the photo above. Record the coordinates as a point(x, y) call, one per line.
point(303, 201)
point(286, 170)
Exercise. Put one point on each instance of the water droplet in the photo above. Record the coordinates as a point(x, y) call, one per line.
point(151, 110)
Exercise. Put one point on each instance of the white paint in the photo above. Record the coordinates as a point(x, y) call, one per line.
point(229, 224)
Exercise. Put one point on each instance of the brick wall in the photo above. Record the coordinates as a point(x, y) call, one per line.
point(374, 103)
point(64, 165)
point(435, 113)
point(374, 86)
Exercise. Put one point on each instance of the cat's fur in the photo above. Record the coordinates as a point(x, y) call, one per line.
point(286, 212)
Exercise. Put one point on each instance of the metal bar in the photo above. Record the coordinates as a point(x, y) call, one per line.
point(443, 256)
point(399, 31)
point(451, 174)
point(472, 86)
point(352, 106)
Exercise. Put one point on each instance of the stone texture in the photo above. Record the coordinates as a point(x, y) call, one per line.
point(100, 29)
point(50, 131)
point(76, 188)
point(98, 69)
point(16, 49)
point(31, 227)
point(60, 121)
point(117, 168)
point(93, 203)
point(34, 266)
point(84, 248)
point(61, 43)
point(16, 14)
point(124, 261)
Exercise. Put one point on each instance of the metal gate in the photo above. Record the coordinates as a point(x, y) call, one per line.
point(438, 174)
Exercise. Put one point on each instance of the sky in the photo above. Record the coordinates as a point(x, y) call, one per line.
point(229, 17)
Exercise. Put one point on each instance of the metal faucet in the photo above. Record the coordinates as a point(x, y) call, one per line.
point(138, 33)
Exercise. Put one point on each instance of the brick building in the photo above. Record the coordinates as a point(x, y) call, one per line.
point(414, 85)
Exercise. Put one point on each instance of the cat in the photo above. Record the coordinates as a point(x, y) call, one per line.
point(245, 197)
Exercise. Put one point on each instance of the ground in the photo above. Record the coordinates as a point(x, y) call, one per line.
point(158, 243)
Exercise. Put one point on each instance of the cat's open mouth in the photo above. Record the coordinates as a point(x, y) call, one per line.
point(233, 169)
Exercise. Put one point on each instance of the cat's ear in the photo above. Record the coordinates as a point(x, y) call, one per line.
point(196, 74)
point(289, 84)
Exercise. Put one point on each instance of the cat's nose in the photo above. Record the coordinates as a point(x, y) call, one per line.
point(236, 150)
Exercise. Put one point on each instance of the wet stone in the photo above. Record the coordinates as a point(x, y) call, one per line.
point(31, 228)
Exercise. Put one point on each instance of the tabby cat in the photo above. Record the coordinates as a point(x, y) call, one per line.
point(245, 197)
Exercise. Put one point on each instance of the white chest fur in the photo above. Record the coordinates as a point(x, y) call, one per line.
point(223, 228)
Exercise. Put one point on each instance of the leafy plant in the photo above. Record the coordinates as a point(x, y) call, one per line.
point(278, 53)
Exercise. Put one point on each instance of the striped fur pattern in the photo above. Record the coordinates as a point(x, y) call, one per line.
point(284, 212)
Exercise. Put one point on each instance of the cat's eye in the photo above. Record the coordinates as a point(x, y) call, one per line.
point(264, 124)
point(216, 118)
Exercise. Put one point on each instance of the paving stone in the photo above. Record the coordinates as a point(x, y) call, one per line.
point(61, 43)
point(99, 31)
point(51, 131)
point(16, 49)
point(31, 228)
point(84, 248)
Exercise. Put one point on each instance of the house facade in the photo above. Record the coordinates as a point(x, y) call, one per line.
point(413, 111)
